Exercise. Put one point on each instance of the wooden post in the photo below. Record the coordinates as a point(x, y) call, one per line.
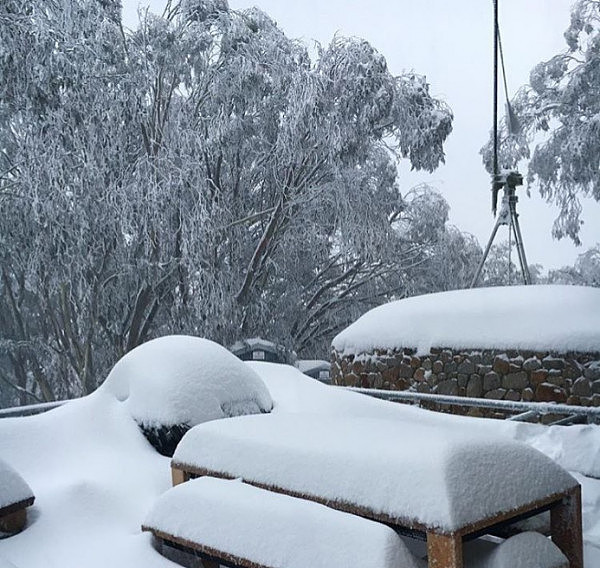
point(210, 564)
point(178, 476)
point(444, 550)
point(566, 527)
point(13, 522)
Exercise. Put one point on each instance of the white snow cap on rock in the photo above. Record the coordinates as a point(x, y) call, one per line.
point(561, 318)
point(179, 379)
point(13, 488)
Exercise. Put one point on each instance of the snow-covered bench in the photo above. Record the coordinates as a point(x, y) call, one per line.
point(237, 524)
point(15, 497)
point(446, 486)
point(232, 523)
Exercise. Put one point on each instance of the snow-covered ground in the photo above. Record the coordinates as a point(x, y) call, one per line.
point(95, 477)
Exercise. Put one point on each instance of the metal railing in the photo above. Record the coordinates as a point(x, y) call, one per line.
point(524, 411)
point(30, 409)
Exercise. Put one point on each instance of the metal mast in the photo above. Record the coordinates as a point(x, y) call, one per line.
point(507, 181)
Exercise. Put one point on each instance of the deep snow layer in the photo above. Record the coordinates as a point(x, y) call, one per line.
point(556, 318)
point(95, 477)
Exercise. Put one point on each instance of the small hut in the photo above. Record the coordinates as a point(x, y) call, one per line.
point(259, 349)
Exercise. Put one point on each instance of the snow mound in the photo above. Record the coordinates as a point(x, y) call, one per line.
point(441, 478)
point(525, 550)
point(94, 477)
point(275, 530)
point(557, 318)
point(186, 380)
point(13, 488)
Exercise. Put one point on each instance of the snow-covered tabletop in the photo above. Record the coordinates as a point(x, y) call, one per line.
point(15, 493)
point(229, 518)
point(556, 318)
point(414, 474)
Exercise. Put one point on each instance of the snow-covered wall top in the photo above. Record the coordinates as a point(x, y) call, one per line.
point(13, 488)
point(560, 318)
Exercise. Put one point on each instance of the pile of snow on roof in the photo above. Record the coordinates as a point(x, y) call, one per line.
point(556, 318)
point(180, 379)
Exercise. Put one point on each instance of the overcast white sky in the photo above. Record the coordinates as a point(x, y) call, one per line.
point(450, 42)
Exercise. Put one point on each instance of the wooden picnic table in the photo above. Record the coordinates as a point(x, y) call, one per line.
point(442, 486)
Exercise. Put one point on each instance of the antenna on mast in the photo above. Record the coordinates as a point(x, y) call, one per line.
point(505, 180)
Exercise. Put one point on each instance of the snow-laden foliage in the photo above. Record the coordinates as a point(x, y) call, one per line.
point(199, 175)
point(559, 116)
point(585, 272)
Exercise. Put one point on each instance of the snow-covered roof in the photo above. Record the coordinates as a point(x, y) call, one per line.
point(555, 318)
point(434, 477)
point(255, 343)
point(180, 379)
point(308, 365)
point(270, 529)
point(13, 488)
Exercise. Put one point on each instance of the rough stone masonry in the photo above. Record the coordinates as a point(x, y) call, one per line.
point(515, 375)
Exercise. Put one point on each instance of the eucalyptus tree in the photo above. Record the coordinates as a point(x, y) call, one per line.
point(200, 174)
point(67, 141)
point(298, 158)
point(585, 271)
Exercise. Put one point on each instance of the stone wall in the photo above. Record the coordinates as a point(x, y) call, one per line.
point(571, 378)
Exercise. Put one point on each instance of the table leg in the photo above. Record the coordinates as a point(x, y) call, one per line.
point(566, 527)
point(444, 550)
point(178, 476)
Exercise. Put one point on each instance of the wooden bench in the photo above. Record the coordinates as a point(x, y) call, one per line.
point(480, 487)
point(232, 523)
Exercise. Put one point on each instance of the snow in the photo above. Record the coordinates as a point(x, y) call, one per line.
point(186, 380)
point(294, 392)
point(461, 479)
point(95, 477)
point(577, 447)
point(273, 529)
point(560, 318)
point(13, 488)
point(525, 550)
point(307, 365)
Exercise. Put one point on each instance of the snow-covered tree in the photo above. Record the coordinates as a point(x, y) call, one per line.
point(559, 116)
point(500, 268)
point(585, 272)
point(198, 175)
